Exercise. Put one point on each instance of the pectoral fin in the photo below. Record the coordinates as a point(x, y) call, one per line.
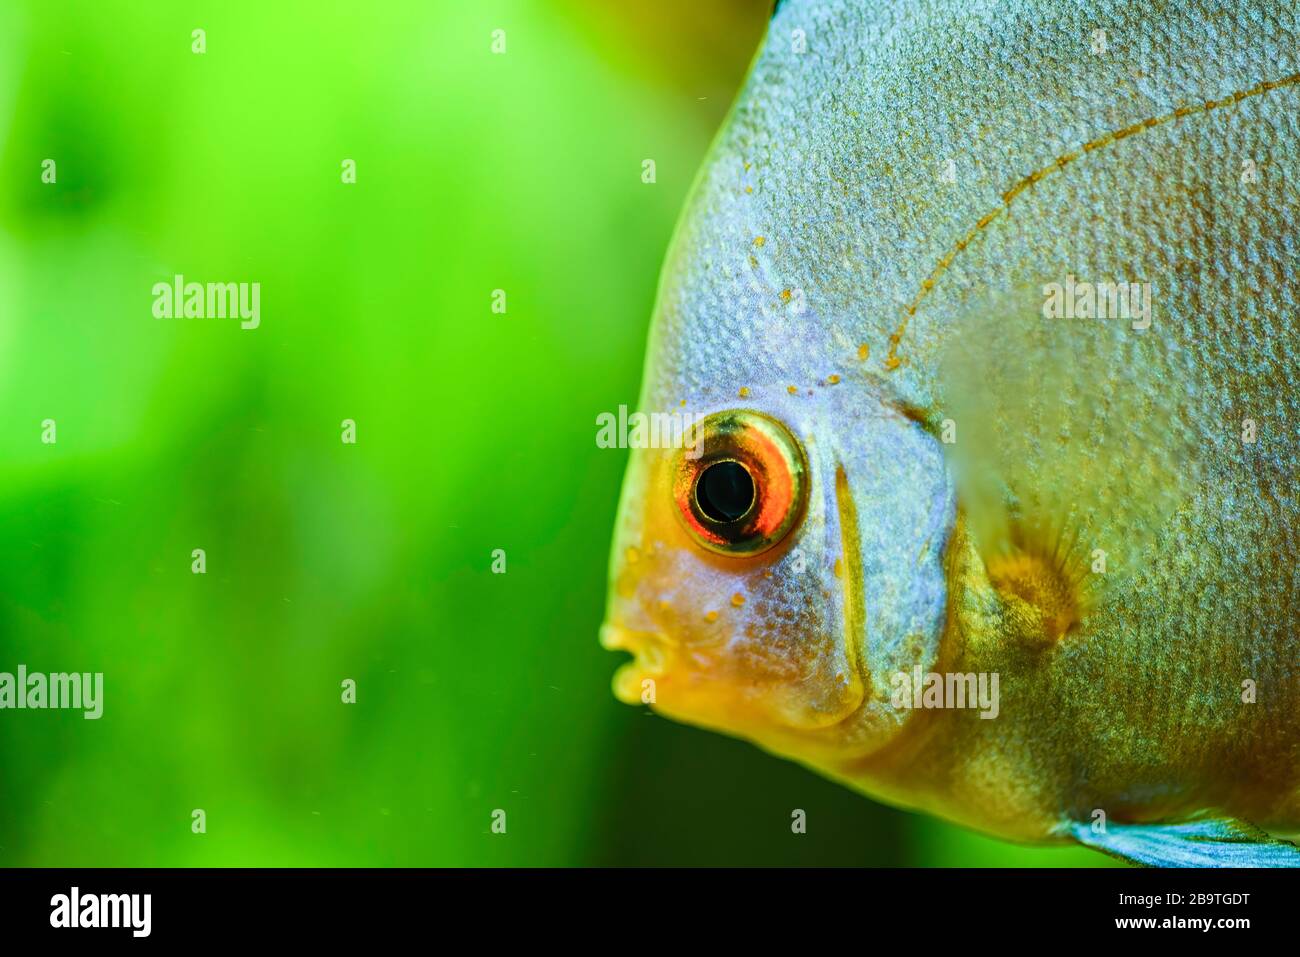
point(1211, 842)
point(1071, 450)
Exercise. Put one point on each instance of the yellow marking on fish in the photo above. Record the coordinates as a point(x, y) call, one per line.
point(737, 600)
point(1044, 582)
point(792, 389)
point(851, 545)
point(864, 351)
point(1015, 191)
point(832, 380)
point(760, 242)
point(1032, 580)
point(711, 616)
point(891, 359)
point(744, 392)
point(785, 295)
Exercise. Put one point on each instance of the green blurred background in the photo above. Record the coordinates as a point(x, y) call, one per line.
point(475, 431)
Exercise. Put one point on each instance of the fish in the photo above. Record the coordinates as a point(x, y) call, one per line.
point(986, 317)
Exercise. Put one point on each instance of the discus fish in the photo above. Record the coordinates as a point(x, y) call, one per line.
point(989, 310)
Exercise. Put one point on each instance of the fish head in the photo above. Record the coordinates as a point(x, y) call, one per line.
point(773, 573)
point(773, 577)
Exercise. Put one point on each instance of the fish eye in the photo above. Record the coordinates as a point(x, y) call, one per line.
point(725, 491)
point(741, 487)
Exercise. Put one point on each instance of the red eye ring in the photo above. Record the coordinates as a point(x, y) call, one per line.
point(737, 450)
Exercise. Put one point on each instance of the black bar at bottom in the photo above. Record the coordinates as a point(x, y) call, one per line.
point(545, 907)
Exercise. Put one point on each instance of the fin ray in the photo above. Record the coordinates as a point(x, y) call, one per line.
point(1209, 842)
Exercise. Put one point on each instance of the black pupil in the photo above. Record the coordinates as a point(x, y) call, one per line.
point(725, 491)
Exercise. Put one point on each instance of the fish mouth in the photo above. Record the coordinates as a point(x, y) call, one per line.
point(616, 637)
point(697, 698)
point(701, 696)
point(649, 650)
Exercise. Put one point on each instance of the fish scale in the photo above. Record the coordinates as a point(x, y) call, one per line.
point(828, 269)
